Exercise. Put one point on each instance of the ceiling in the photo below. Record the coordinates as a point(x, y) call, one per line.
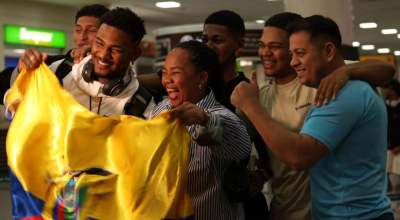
point(385, 13)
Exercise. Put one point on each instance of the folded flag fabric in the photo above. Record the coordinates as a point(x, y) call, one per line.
point(66, 162)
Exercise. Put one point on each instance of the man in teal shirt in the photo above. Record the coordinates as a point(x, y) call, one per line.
point(343, 143)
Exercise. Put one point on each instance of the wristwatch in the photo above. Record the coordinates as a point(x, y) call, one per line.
point(207, 116)
point(265, 175)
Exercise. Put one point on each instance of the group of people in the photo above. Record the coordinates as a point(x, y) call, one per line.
point(325, 149)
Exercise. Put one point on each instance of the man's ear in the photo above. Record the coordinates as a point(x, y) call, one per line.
point(329, 51)
point(240, 46)
point(203, 76)
point(136, 54)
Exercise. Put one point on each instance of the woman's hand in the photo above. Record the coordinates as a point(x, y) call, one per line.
point(189, 114)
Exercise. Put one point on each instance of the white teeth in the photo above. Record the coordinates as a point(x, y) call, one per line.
point(269, 62)
point(171, 90)
point(102, 63)
point(300, 71)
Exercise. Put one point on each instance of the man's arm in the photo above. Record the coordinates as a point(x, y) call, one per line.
point(375, 72)
point(299, 151)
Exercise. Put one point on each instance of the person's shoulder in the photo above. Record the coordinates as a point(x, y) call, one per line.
point(163, 102)
point(54, 58)
point(357, 86)
point(241, 77)
point(266, 87)
point(234, 82)
point(355, 93)
point(161, 106)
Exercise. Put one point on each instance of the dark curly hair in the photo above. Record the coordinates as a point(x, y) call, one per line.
point(281, 20)
point(205, 59)
point(95, 10)
point(229, 19)
point(126, 20)
point(321, 29)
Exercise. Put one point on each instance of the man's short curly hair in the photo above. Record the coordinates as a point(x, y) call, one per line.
point(95, 10)
point(229, 19)
point(126, 20)
point(282, 20)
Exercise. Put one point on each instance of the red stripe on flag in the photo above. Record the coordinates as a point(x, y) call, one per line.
point(60, 210)
point(38, 217)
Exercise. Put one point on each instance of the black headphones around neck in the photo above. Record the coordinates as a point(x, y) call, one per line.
point(113, 87)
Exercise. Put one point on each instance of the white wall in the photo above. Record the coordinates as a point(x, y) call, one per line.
point(150, 27)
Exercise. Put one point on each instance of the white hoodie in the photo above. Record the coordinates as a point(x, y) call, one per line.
point(90, 95)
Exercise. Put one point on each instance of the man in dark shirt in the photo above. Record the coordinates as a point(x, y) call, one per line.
point(224, 33)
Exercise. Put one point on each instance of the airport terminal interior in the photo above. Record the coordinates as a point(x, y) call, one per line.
point(370, 29)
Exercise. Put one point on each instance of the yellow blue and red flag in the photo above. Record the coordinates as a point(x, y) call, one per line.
point(66, 162)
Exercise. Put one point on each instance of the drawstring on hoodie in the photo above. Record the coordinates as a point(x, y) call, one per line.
point(90, 104)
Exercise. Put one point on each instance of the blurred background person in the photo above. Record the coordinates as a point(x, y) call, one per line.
point(392, 96)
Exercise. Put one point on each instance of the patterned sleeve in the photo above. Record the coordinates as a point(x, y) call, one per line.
point(236, 144)
point(251, 130)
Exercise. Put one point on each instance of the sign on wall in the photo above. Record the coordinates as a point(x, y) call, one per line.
point(34, 36)
point(389, 58)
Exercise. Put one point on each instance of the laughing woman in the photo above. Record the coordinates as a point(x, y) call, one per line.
point(193, 79)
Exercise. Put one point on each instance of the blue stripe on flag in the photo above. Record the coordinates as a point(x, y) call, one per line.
point(55, 210)
point(24, 204)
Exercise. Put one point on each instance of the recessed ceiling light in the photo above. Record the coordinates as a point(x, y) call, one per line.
point(260, 21)
point(356, 44)
point(168, 4)
point(383, 50)
point(397, 53)
point(367, 47)
point(398, 36)
point(368, 25)
point(389, 31)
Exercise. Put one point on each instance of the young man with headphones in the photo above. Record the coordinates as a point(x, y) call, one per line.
point(105, 82)
point(87, 23)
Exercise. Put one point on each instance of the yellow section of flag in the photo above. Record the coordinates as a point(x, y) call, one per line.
point(143, 163)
